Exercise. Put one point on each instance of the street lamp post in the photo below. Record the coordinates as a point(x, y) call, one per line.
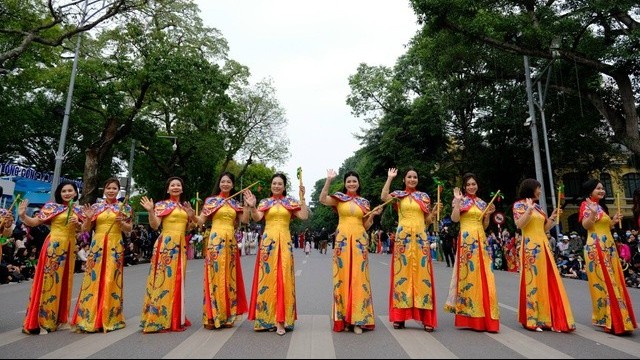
point(541, 96)
point(534, 133)
point(175, 139)
point(67, 110)
point(534, 130)
point(130, 171)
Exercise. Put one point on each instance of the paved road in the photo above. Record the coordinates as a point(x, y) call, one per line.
point(312, 337)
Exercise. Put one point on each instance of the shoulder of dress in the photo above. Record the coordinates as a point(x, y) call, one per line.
point(340, 196)
point(422, 196)
point(363, 202)
point(399, 194)
point(213, 200)
point(519, 207)
point(235, 204)
point(266, 204)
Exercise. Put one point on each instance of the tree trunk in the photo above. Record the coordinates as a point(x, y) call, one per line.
point(246, 165)
point(630, 135)
point(95, 156)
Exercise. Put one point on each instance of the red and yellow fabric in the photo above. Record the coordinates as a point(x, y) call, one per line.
point(412, 288)
point(273, 295)
point(543, 299)
point(99, 306)
point(163, 308)
point(224, 296)
point(610, 301)
point(511, 254)
point(50, 296)
point(352, 300)
point(472, 291)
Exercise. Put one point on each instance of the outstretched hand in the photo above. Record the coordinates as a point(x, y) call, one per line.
point(331, 174)
point(147, 203)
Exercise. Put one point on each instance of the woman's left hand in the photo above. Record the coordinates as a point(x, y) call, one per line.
point(187, 207)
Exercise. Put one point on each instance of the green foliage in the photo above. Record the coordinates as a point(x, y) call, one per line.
point(456, 103)
point(157, 72)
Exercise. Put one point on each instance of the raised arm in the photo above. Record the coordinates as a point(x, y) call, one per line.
point(88, 218)
point(455, 206)
point(303, 213)
point(325, 199)
point(147, 204)
point(246, 212)
point(592, 215)
point(391, 174)
point(27, 220)
point(250, 205)
point(524, 219)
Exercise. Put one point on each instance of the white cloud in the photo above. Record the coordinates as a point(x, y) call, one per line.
point(309, 50)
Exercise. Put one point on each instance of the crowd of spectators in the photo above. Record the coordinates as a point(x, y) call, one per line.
point(568, 252)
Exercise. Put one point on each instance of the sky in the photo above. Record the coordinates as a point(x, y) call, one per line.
point(309, 49)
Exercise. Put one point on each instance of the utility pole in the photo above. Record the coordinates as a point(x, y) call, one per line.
point(67, 110)
point(130, 171)
point(534, 134)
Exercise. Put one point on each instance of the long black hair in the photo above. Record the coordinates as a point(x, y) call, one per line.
point(58, 192)
point(166, 187)
point(588, 187)
point(284, 180)
point(344, 185)
point(216, 189)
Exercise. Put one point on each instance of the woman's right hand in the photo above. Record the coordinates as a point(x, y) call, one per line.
point(392, 173)
point(249, 198)
point(331, 174)
point(88, 211)
point(457, 194)
point(147, 203)
point(22, 208)
point(529, 203)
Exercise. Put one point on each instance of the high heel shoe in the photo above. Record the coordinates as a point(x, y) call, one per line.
point(398, 324)
point(428, 328)
point(357, 330)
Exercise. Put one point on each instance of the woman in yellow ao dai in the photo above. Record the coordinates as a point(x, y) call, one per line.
point(612, 308)
point(543, 299)
point(163, 308)
point(99, 306)
point(273, 295)
point(50, 297)
point(224, 296)
point(352, 300)
point(412, 288)
point(472, 292)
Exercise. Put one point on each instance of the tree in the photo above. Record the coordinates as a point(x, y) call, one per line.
point(26, 23)
point(452, 105)
point(254, 128)
point(124, 82)
point(600, 38)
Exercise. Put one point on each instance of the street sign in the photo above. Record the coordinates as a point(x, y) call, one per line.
point(498, 218)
